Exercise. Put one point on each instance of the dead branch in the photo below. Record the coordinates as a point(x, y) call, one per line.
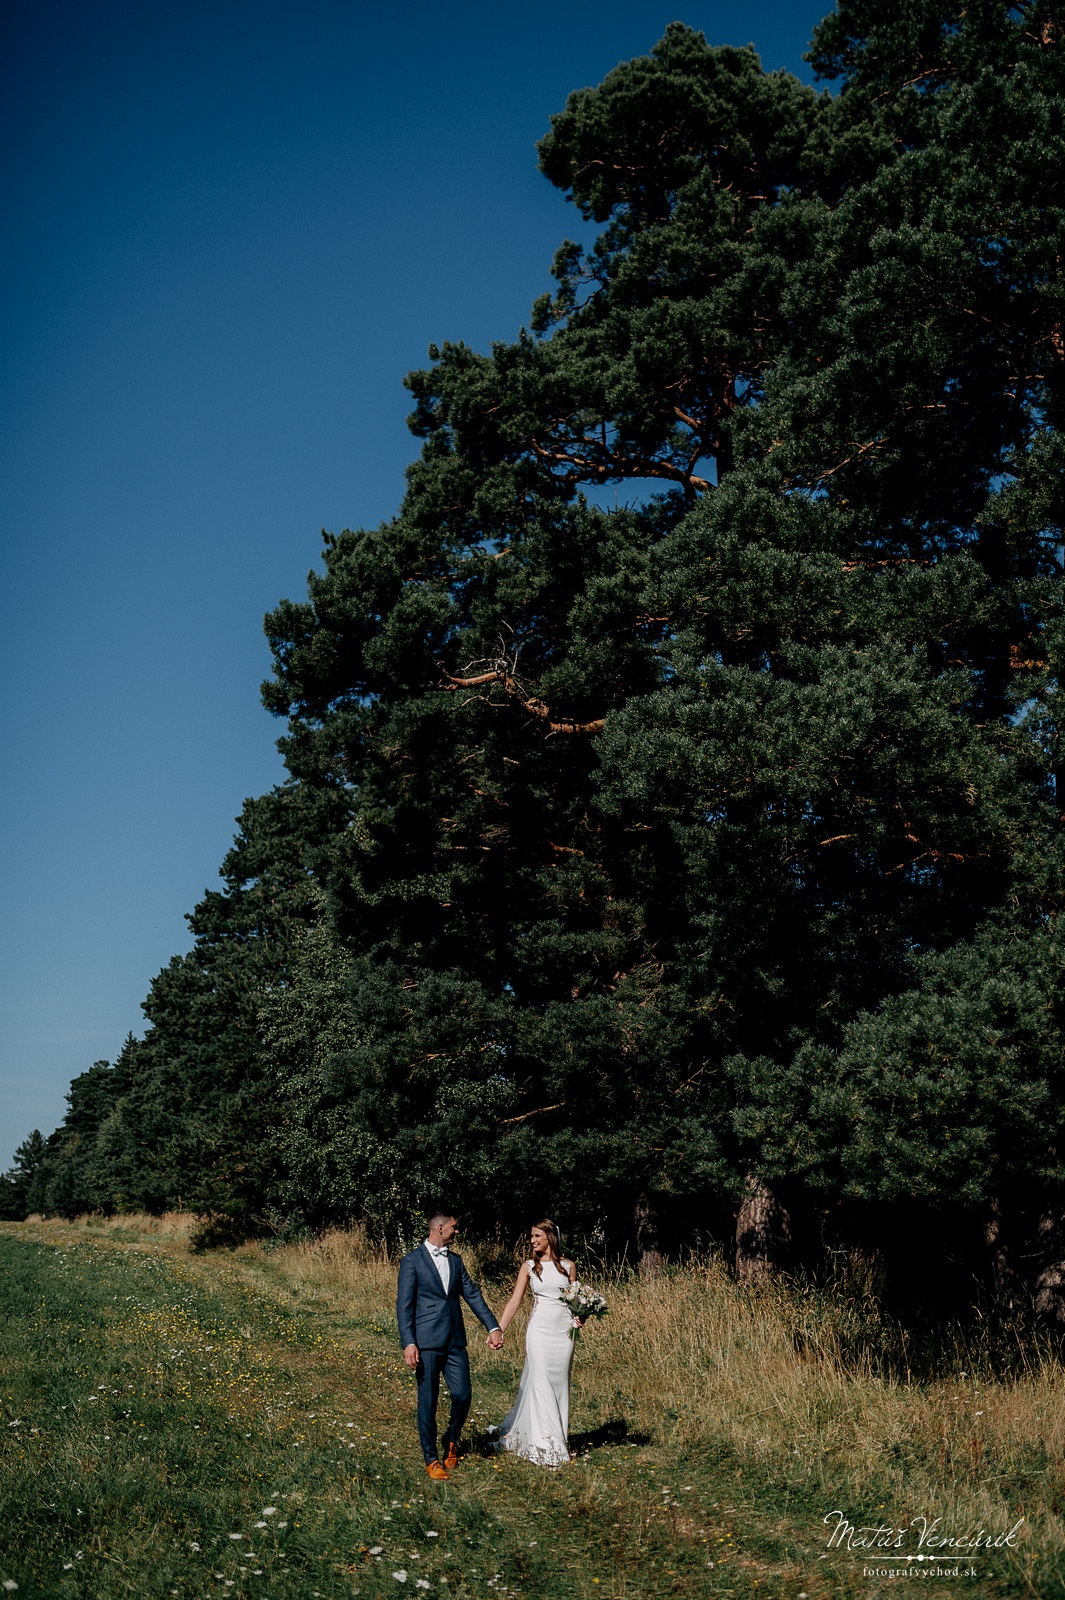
point(864, 449)
point(503, 674)
point(508, 1122)
point(617, 466)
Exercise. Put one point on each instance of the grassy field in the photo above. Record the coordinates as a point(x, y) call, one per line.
point(240, 1423)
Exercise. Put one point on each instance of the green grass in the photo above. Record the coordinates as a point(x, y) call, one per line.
point(157, 1403)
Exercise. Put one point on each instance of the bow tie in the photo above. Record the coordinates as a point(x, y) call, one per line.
point(438, 1250)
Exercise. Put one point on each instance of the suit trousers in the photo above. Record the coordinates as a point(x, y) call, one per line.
point(453, 1363)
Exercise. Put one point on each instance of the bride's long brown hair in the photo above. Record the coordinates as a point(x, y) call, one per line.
point(554, 1248)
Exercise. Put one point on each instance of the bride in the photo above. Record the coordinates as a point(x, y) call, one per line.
point(538, 1422)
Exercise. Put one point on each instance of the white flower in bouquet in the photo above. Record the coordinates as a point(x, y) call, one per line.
point(582, 1303)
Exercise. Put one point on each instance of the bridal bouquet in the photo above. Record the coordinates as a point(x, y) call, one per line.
point(582, 1302)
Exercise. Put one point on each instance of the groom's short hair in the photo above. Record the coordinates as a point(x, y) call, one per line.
point(440, 1216)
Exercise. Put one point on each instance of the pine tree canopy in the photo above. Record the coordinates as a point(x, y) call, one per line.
point(674, 796)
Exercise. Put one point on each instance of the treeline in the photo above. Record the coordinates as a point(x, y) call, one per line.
point(673, 835)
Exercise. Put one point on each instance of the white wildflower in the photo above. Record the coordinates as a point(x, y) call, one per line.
point(377, 1550)
point(269, 1511)
point(236, 1536)
point(401, 1575)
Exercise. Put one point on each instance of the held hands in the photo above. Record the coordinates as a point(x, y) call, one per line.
point(412, 1356)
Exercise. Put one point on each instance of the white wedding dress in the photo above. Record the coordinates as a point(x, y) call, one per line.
point(537, 1424)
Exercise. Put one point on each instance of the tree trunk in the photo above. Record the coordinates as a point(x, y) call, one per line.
point(1003, 1276)
point(1050, 1284)
point(763, 1234)
point(648, 1255)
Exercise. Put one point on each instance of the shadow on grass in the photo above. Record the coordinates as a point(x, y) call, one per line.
point(615, 1432)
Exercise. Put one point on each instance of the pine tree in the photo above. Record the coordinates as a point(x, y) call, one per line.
point(204, 1112)
point(69, 1177)
point(648, 802)
point(16, 1183)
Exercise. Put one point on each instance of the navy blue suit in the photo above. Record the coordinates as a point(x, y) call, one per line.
point(433, 1321)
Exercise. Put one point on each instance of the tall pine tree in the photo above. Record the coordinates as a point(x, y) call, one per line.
point(650, 802)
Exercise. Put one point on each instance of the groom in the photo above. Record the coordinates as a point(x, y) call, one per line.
point(433, 1335)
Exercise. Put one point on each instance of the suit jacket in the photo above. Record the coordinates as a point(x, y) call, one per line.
point(426, 1315)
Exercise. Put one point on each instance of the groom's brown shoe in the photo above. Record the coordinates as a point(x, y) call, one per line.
point(451, 1460)
point(435, 1470)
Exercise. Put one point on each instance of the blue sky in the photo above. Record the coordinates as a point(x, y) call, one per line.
point(232, 230)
